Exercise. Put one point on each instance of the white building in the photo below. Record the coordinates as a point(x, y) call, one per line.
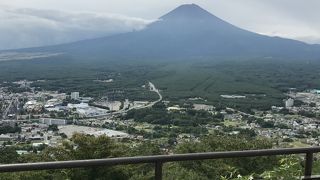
point(85, 110)
point(289, 103)
point(203, 107)
point(75, 95)
point(53, 121)
point(52, 103)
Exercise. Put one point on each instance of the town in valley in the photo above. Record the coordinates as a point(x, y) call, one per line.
point(36, 119)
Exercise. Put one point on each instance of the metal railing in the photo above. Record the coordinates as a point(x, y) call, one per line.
point(159, 160)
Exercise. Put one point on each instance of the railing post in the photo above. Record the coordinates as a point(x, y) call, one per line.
point(308, 165)
point(158, 170)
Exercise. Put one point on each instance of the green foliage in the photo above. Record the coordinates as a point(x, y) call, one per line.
point(84, 147)
point(312, 104)
point(289, 169)
point(81, 147)
point(215, 168)
point(263, 81)
point(155, 115)
point(9, 129)
point(90, 147)
point(143, 171)
point(8, 155)
point(158, 114)
point(307, 114)
point(189, 121)
point(53, 127)
point(173, 171)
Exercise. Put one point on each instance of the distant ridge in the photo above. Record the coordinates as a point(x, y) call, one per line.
point(188, 31)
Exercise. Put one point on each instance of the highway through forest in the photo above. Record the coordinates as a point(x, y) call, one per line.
point(124, 111)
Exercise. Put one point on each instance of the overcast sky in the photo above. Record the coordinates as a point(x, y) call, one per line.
point(26, 23)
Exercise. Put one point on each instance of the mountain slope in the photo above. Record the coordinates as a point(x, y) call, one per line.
point(187, 32)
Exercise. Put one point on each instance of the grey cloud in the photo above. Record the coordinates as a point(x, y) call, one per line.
point(21, 28)
point(296, 19)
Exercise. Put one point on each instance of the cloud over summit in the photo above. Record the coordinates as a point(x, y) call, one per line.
point(25, 23)
point(21, 28)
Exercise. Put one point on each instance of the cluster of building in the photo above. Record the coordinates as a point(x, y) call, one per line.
point(289, 124)
point(36, 112)
point(30, 133)
point(48, 117)
point(85, 110)
point(294, 122)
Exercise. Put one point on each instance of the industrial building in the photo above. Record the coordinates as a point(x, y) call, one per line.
point(49, 121)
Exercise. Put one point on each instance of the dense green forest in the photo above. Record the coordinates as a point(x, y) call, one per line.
point(89, 147)
point(262, 81)
point(158, 114)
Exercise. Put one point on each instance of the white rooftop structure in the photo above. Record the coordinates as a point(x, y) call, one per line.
point(86, 110)
point(75, 95)
point(289, 103)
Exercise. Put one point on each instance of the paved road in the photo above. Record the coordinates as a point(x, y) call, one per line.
point(123, 111)
point(152, 88)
